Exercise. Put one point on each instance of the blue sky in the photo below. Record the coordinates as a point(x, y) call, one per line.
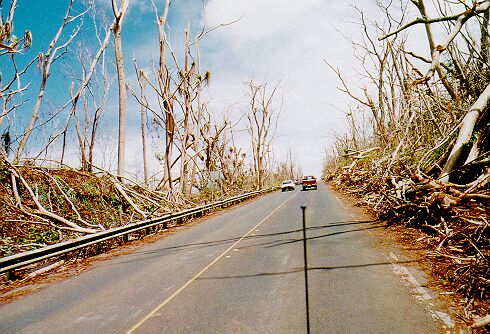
point(276, 41)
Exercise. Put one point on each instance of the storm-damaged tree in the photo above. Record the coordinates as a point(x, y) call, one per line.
point(165, 96)
point(210, 138)
point(119, 14)
point(193, 115)
point(179, 108)
point(93, 90)
point(45, 60)
point(11, 87)
point(196, 168)
point(467, 146)
point(262, 120)
point(232, 163)
point(186, 91)
point(163, 114)
point(142, 80)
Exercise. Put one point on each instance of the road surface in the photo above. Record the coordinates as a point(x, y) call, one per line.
point(238, 272)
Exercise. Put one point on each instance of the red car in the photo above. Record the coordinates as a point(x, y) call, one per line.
point(309, 182)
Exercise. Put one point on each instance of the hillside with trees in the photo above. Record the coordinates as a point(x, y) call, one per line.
point(56, 179)
point(417, 152)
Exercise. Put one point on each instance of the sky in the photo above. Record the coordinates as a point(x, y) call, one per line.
point(284, 42)
point(281, 42)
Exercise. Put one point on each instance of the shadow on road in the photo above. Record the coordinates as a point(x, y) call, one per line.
point(297, 270)
point(165, 251)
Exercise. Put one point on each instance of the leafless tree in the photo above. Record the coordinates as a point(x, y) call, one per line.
point(119, 14)
point(187, 74)
point(459, 153)
point(165, 95)
point(142, 82)
point(94, 79)
point(10, 88)
point(46, 60)
point(93, 92)
point(262, 119)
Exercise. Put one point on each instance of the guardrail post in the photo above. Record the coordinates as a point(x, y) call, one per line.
point(10, 275)
point(148, 231)
point(125, 238)
point(97, 249)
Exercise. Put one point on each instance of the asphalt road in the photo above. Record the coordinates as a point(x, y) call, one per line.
point(238, 272)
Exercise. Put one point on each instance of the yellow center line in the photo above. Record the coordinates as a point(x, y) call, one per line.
point(172, 296)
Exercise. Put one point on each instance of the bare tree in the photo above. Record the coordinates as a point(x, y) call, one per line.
point(165, 96)
point(53, 53)
point(119, 14)
point(93, 92)
point(142, 82)
point(420, 4)
point(10, 46)
point(186, 91)
point(459, 153)
point(90, 67)
point(262, 122)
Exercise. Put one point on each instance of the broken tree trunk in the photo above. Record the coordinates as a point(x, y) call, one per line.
point(462, 146)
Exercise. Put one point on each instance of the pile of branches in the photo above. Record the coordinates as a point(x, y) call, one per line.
point(455, 218)
point(417, 150)
point(45, 205)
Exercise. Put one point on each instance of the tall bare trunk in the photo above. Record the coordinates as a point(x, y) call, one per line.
point(187, 112)
point(262, 122)
point(142, 82)
point(166, 95)
point(119, 15)
point(198, 118)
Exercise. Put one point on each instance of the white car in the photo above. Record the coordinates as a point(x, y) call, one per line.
point(287, 185)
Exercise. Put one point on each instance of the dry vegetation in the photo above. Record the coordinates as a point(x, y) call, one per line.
point(418, 149)
point(44, 201)
point(42, 206)
point(45, 205)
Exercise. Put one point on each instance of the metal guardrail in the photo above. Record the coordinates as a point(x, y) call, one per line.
point(16, 261)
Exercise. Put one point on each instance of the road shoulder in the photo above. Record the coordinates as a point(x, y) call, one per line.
point(418, 271)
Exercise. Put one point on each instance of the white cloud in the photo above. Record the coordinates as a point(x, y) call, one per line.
point(286, 41)
point(282, 41)
point(258, 18)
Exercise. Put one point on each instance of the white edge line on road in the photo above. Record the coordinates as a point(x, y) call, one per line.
point(172, 296)
point(421, 291)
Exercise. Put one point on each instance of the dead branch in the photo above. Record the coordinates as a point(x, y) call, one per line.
point(73, 207)
point(477, 9)
point(41, 210)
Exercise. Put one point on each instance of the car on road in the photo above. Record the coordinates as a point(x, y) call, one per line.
point(287, 185)
point(309, 181)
